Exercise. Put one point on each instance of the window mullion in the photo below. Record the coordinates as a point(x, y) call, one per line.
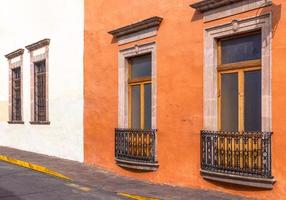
point(241, 100)
point(142, 106)
point(129, 106)
point(219, 101)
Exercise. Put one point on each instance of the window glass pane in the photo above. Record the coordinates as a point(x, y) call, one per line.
point(241, 49)
point(135, 106)
point(147, 105)
point(229, 102)
point(16, 72)
point(40, 66)
point(140, 66)
point(252, 100)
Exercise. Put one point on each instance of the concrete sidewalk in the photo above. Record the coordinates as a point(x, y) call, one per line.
point(94, 177)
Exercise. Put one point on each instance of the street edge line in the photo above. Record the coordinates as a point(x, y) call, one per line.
point(33, 167)
point(136, 197)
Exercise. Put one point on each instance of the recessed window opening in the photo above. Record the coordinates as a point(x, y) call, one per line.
point(40, 91)
point(239, 83)
point(16, 94)
point(140, 92)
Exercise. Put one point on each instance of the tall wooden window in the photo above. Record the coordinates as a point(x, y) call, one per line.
point(239, 86)
point(16, 94)
point(40, 109)
point(140, 92)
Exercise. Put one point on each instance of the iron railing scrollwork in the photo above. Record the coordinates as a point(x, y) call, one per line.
point(238, 153)
point(135, 145)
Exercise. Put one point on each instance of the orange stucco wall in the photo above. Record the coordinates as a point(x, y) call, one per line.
point(180, 89)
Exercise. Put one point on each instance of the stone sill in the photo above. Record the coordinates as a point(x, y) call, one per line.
point(264, 183)
point(40, 123)
point(15, 122)
point(137, 165)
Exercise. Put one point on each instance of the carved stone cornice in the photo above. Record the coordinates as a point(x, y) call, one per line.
point(38, 44)
point(14, 54)
point(136, 27)
point(207, 5)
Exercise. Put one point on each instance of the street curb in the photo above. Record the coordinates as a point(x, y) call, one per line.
point(32, 166)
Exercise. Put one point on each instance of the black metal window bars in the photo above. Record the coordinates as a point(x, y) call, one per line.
point(16, 94)
point(135, 145)
point(237, 153)
point(40, 91)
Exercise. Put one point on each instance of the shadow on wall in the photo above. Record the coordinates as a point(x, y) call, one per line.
point(114, 40)
point(276, 16)
point(137, 171)
point(235, 187)
point(197, 16)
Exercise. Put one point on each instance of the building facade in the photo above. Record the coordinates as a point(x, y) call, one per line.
point(187, 93)
point(41, 84)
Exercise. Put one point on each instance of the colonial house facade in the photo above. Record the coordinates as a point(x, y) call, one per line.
point(41, 82)
point(187, 93)
point(180, 92)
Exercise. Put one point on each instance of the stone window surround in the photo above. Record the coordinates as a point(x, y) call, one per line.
point(15, 60)
point(34, 57)
point(124, 54)
point(263, 23)
point(134, 32)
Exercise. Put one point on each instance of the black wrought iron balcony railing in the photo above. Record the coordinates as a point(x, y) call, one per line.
point(136, 148)
point(244, 157)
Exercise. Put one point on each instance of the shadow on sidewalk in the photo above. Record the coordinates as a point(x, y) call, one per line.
point(6, 194)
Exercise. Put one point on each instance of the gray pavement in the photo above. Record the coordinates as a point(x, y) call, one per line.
point(103, 184)
point(17, 183)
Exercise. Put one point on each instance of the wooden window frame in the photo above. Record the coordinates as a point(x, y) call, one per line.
point(142, 81)
point(239, 68)
point(124, 54)
point(237, 26)
point(39, 52)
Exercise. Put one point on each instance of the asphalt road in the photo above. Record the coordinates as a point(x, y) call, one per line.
point(17, 183)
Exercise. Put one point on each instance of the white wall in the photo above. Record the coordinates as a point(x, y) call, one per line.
point(23, 22)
